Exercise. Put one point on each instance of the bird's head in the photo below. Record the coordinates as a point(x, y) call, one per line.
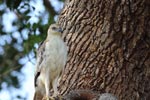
point(54, 29)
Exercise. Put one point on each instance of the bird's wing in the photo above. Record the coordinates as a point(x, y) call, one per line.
point(35, 78)
point(38, 96)
point(40, 52)
point(39, 56)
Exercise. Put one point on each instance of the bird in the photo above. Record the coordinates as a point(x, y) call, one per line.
point(51, 59)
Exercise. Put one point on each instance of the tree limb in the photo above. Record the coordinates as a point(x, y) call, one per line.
point(49, 7)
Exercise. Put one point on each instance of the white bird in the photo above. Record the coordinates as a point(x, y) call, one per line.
point(51, 59)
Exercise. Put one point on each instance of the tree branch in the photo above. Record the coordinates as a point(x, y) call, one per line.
point(49, 7)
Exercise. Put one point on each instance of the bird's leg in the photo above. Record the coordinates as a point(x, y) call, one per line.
point(55, 84)
point(56, 94)
point(47, 86)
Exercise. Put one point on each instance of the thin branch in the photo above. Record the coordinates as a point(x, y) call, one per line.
point(49, 7)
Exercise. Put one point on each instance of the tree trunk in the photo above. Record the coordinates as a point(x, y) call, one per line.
point(109, 47)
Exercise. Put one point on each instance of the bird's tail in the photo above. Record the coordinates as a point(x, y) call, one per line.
point(38, 96)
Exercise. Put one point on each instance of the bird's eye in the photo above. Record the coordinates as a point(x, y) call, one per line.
point(53, 28)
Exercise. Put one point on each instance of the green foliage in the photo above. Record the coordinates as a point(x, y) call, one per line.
point(35, 32)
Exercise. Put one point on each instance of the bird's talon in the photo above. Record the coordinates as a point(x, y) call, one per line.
point(48, 98)
point(57, 97)
point(44, 98)
point(51, 98)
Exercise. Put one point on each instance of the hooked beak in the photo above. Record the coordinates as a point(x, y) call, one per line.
point(60, 30)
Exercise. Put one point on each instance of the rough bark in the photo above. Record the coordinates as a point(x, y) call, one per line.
point(109, 47)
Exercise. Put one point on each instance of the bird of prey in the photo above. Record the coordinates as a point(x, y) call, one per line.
point(51, 59)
